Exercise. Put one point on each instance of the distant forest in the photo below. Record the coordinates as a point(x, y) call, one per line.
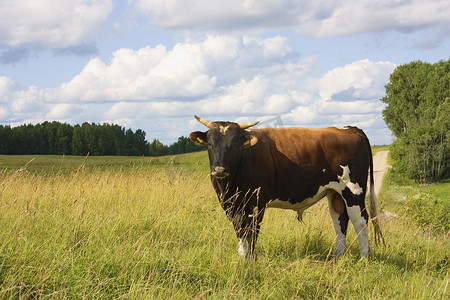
point(96, 139)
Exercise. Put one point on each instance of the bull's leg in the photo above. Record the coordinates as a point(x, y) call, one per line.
point(246, 236)
point(359, 219)
point(355, 181)
point(245, 247)
point(340, 219)
point(247, 231)
point(357, 212)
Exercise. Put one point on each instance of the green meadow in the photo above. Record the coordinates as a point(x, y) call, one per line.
point(152, 228)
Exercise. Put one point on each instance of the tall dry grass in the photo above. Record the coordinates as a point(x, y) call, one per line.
point(159, 232)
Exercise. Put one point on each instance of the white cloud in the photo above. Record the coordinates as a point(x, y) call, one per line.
point(146, 74)
point(18, 104)
point(219, 14)
point(51, 24)
point(219, 77)
point(18, 99)
point(347, 95)
point(224, 69)
point(277, 104)
point(27, 100)
point(7, 85)
point(362, 79)
point(63, 111)
point(192, 69)
point(21, 105)
point(350, 17)
point(317, 18)
point(301, 115)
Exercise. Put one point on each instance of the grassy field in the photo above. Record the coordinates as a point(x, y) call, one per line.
point(54, 163)
point(376, 149)
point(428, 205)
point(152, 228)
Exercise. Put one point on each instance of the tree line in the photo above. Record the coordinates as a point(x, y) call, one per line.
point(418, 114)
point(55, 138)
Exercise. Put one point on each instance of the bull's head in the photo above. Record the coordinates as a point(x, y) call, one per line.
point(227, 141)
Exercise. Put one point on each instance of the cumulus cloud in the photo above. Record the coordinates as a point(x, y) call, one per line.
point(347, 95)
point(7, 85)
point(362, 79)
point(191, 70)
point(219, 77)
point(23, 105)
point(64, 111)
point(302, 100)
point(42, 24)
point(350, 17)
point(220, 15)
point(146, 74)
point(16, 98)
point(316, 18)
point(19, 104)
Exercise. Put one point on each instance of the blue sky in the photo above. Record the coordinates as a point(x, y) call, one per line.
point(152, 64)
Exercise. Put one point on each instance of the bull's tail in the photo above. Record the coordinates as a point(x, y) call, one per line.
point(373, 206)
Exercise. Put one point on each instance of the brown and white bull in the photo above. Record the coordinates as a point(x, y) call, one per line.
point(290, 168)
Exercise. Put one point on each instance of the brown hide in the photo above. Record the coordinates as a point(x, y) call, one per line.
point(291, 163)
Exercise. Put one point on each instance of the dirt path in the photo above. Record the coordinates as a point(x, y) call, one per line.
point(380, 166)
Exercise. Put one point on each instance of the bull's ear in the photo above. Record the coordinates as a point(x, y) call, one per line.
point(251, 141)
point(198, 137)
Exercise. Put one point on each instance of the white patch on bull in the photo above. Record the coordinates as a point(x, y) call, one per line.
point(345, 178)
point(360, 225)
point(324, 170)
point(300, 207)
point(243, 248)
point(223, 129)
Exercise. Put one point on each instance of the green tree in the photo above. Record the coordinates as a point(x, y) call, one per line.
point(63, 139)
point(156, 148)
point(96, 139)
point(417, 112)
point(185, 145)
point(6, 139)
point(141, 143)
point(78, 141)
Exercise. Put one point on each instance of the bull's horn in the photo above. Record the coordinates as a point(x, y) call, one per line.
point(205, 122)
point(247, 125)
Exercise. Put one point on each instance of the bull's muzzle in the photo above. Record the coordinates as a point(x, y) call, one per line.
point(219, 172)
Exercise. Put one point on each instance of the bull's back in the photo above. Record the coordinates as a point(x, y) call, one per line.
point(314, 145)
